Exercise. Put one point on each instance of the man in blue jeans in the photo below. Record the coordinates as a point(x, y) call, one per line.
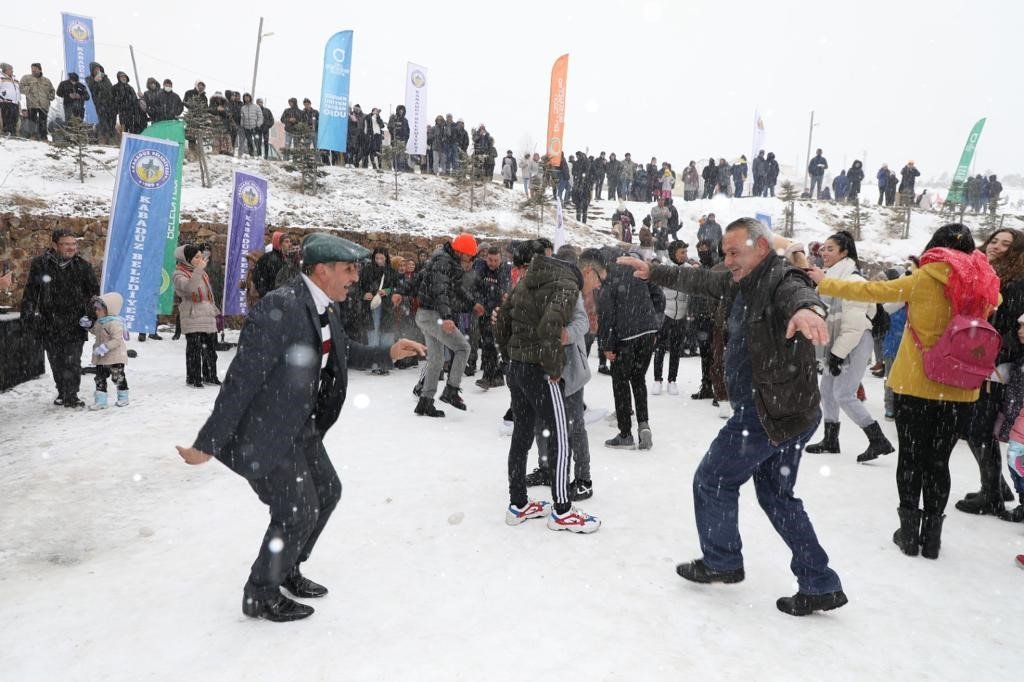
point(775, 320)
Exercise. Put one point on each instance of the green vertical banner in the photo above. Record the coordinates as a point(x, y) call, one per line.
point(956, 191)
point(175, 132)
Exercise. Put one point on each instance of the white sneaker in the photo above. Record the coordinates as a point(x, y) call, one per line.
point(672, 388)
point(575, 521)
point(533, 510)
point(724, 410)
point(656, 388)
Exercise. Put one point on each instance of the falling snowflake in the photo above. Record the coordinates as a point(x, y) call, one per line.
point(825, 470)
point(361, 401)
point(275, 545)
point(137, 477)
point(745, 433)
point(545, 433)
point(784, 470)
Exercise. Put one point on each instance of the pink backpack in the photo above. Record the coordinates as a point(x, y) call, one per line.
point(965, 354)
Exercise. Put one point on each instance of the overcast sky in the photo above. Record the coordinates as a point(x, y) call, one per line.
point(888, 80)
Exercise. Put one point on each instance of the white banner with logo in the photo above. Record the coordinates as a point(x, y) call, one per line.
point(416, 107)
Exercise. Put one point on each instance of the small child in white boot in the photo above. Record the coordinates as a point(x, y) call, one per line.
point(109, 351)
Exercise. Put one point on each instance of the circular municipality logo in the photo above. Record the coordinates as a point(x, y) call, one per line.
point(250, 194)
point(418, 79)
point(78, 31)
point(150, 169)
point(338, 54)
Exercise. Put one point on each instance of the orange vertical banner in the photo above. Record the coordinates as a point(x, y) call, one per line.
point(556, 109)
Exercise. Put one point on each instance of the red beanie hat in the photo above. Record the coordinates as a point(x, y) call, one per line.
point(465, 244)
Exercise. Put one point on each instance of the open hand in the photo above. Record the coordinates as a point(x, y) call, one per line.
point(192, 455)
point(642, 269)
point(406, 348)
point(810, 324)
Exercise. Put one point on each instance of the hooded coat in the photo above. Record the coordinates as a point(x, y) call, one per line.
point(529, 326)
point(102, 92)
point(126, 104)
point(197, 308)
point(441, 287)
point(109, 331)
point(398, 124)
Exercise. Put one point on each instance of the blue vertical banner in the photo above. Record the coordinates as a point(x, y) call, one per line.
point(764, 218)
point(333, 133)
point(137, 231)
point(79, 52)
point(246, 224)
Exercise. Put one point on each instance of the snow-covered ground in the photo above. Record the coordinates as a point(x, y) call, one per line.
point(119, 562)
point(31, 181)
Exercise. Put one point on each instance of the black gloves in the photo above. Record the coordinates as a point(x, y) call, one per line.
point(835, 364)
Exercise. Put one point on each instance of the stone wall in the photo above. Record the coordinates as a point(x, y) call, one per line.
point(23, 237)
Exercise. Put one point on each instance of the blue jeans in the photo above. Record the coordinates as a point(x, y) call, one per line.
point(815, 182)
point(375, 338)
point(741, 451)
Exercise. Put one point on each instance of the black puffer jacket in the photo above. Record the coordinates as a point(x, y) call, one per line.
point(529, 327)
point(441, 288)
point(626, 306)
point(57, 295)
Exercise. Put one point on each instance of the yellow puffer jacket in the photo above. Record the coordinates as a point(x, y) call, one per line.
point(928, 313)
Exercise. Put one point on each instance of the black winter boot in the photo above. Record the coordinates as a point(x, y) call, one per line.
point(425, 408)
point(450, 395)
point(982, 503)
point(931, 535)
point(878, 444)
point(1004, 489)
point(908, 536)
point(828, 444)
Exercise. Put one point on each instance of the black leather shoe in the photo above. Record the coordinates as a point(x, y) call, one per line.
point(215, 381)
point(801, 604)
point(279, 609)
point(301, 586)
point(696, 571)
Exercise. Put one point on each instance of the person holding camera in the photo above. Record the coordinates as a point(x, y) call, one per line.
point(198, 313)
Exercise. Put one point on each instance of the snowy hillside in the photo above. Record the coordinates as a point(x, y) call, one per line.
point(31, 181)
point(360, 200)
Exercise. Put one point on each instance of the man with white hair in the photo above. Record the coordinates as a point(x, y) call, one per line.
point(775, 320)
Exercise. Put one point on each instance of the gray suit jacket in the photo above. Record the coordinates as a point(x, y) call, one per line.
point(273, 392)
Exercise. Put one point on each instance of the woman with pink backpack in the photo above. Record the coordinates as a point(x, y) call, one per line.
point(948, 351)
